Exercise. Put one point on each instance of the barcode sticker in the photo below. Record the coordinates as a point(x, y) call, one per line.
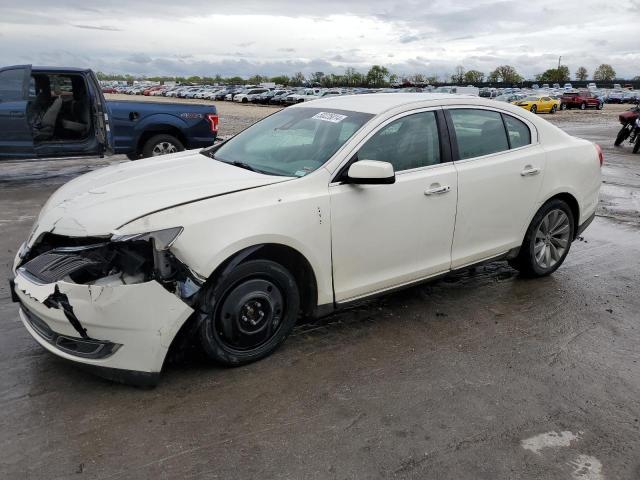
point(329, 117)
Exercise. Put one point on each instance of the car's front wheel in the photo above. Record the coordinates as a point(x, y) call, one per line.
point(547, 241)
point(249, 312)
point(583, 106)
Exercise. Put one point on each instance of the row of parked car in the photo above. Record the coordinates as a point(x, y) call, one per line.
point(537, 99)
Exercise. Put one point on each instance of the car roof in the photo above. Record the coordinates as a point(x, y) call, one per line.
point(376, 103)
point(59, 69)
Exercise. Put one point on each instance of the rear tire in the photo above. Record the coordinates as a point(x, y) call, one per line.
point(554, 109)
point(636, 147)
point(583, 106)
point(162, 144)
point(533, 109)
point(623, 134)
point(547, 241)
point(600, 106)
point(249, 312)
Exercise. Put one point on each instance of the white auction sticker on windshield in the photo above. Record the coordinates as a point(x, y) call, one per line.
point(329, 117)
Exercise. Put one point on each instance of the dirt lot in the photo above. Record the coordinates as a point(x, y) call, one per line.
point(481, 375)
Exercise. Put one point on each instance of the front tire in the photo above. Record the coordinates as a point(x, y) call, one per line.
point(547, 241)
point(249, 312)
point(636, 147)
point(563, 106)
point(583, 106)
point(161, 145)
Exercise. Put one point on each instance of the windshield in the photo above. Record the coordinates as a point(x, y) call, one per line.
point(530, 99)
point(293, 142)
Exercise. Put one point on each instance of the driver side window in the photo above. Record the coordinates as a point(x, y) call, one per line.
point(409, 142)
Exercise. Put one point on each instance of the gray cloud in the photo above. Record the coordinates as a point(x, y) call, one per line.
point(150, 37)
point(96, 27)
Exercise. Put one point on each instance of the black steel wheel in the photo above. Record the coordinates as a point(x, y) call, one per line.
point(250, 312)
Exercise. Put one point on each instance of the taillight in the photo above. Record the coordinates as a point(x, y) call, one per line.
point(213, 120)
point(600, 154)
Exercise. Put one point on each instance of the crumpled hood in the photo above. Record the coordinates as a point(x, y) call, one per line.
point(99, 202)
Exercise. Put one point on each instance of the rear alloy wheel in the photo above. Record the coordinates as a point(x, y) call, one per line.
point(547, 241)
point(161, 145)
point(533, 109)
point(249, 312)
point(554, 109)
point(583, 106)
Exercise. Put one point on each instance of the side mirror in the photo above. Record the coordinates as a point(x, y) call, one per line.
point(371, 172)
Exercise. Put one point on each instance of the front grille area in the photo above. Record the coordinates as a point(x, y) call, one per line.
point(51, 267)
point(79, 347)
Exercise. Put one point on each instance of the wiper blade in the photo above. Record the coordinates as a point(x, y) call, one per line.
point(246, 166)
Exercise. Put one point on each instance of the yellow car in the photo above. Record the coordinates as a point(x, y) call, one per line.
point(539, 104)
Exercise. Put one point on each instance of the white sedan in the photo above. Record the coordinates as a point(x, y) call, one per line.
point(308, 210)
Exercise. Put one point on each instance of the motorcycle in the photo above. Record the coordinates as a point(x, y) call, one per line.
point(630, 130)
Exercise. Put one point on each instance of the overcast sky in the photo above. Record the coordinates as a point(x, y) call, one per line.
point(245, 37)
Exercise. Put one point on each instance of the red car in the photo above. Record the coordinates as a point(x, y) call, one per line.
point(581, 100)
point(109, 90)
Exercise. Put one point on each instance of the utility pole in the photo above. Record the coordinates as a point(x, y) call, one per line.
point(559, 58)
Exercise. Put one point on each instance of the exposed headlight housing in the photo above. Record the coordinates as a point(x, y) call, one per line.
point(162, 239)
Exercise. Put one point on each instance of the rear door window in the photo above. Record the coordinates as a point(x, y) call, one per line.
point(519, 133)
point(478, 132)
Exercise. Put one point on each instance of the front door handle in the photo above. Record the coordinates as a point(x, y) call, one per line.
point(529, 171)
point(437, 189)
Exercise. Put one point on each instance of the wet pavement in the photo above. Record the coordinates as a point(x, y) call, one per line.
point(481, 375)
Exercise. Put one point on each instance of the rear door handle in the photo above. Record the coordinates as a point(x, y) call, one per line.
point(529, 171)
point(437, 190)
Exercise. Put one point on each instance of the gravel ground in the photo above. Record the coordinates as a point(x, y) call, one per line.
point(480, 375)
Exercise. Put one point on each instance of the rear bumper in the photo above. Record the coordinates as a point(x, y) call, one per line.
point(124, 330)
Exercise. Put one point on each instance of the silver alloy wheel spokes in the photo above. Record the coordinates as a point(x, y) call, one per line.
point(552, 238)
point(164, 148)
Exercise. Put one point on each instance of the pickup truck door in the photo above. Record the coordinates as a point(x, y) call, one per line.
point(100, 112)
point(16, 140)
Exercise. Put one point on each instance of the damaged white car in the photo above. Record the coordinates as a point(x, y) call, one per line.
point(312, 208)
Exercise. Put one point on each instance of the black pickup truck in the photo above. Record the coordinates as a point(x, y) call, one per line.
point(61, 112)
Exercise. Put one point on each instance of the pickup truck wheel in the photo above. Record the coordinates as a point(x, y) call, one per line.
point(249, 312)
point(563, 106)
point(547, 241)
point(161, 145)
point(600, 106)
point(583, 106)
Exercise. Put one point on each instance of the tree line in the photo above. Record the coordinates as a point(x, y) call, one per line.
point(380, 76)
